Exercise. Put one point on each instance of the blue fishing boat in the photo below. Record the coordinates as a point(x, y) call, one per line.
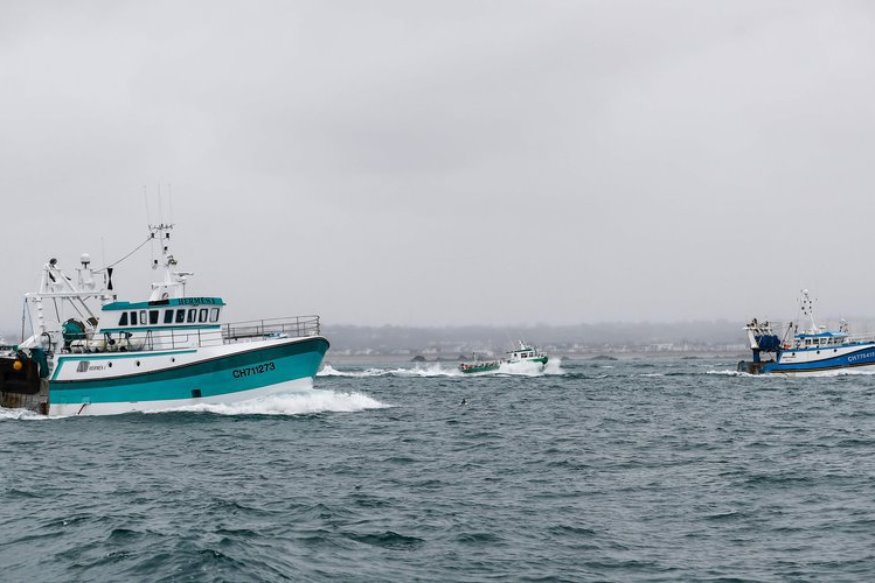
point(813, 350)
point(91, 354)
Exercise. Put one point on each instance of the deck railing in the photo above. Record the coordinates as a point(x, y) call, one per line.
point(294, 327)
point(291, 327)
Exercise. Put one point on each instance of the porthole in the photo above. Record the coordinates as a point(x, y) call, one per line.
point(109, 364)
point(138, 363)
point(173, 359)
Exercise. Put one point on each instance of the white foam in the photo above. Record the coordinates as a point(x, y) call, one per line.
point(22, 415)
point(522, 368)
point(731, 373)
point(296, 403)
point(847, 372)
point(304, 402)
point(434, 370)
point(554, 367)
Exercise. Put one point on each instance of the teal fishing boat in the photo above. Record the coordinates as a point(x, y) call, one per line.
point(92, 354)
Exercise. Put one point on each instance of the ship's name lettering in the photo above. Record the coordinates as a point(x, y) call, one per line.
point(240, 373)
point(87, 366)
point(865, 355)
point(186, 301)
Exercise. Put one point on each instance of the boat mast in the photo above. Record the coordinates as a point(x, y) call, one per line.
point(173, 283)
point(806, 304)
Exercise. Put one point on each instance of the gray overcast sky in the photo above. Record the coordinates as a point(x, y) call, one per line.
point(491, 162)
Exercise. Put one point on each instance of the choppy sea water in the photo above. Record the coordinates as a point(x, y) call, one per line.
point(659, 470)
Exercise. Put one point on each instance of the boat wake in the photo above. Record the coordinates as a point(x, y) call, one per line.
point(808, 375)
point(306, 402)
point(22, 415)
point(729, 373)
point(848, 372)
point(435, 370)
point(532, 369)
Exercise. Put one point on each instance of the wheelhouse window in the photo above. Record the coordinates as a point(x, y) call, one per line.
point(123, 321)
point(143, 317)
point(202, 316)
point(153, 316)
point(180, 316)
point(192, 316)
point(133, 318)
point(214, 314)
point(168, 316)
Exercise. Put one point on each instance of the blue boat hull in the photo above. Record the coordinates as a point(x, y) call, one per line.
point(227, 378)
point(850, 360)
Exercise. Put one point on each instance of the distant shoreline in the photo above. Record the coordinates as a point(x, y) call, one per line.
point(606, 356)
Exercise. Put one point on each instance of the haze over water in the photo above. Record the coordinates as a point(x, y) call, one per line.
point(639, 470)
point(494, 162)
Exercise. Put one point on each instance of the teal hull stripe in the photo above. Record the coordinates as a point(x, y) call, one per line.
point(229, 374)
point(115, 356)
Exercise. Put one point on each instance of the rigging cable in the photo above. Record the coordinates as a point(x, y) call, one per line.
point(137, 248)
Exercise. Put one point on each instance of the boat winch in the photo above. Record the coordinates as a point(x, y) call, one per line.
point(24, 379)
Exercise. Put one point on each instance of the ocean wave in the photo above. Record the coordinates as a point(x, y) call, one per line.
point(848, 372)
point(554, 367)
point(297, 403)
point(807, 375)
point(436, 370)
point(730, 373)
point(23, 415)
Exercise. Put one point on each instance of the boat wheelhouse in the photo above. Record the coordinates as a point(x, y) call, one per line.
point(526, 353)
point(815, 349)
point(91, 353)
